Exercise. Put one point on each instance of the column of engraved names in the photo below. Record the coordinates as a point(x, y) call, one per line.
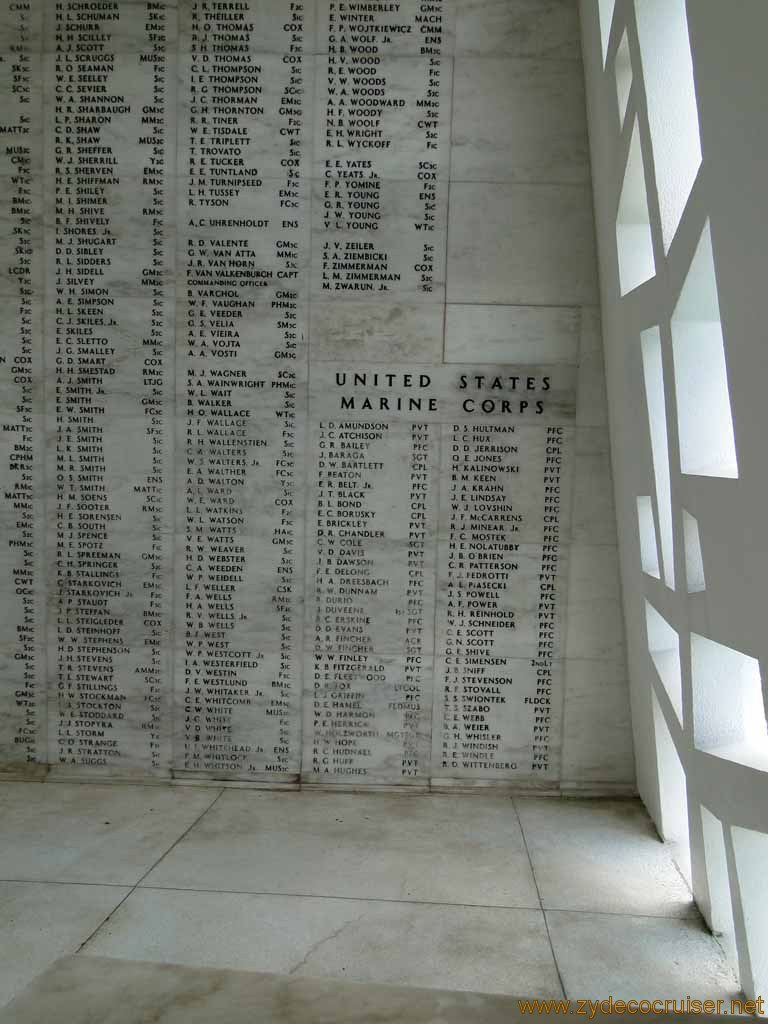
point(372, 601)
point(381, 150)
point(109, 262)
point(243, 104)
point(547, 610)
point(482, 570)
point(22, 698)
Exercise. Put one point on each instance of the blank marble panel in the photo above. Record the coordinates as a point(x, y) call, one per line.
point(525, 28)
point(519, 120)
point(594, 515)
point(595, 621)
point(592, 401)
point(511, 334)
point(376, 331)
point(597, 736)
point(527, 244)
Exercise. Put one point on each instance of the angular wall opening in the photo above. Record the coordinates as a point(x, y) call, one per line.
point(649, 551)
point(665, 50)
point(623, 76)
point(673, 794)
point(607, 8)
point(718, 883)
point(694, 563)
point(707, 444)
point(633, 225)
point(751, 854)
point(653, 372)
point(664, 649)
point(728, 708)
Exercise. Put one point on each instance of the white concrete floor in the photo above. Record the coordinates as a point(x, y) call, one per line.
point(532, 896)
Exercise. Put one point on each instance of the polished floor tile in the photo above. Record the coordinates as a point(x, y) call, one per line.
point(107, 834)
point(443, 849)
point(41, 921)
point(81, 990)
point(467, 948)
point(601, 855)
point(638, 958)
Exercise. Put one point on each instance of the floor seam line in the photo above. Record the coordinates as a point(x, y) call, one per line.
point(352, 899)
point(149, 869)
point(179, 839)
point(541, 902)
point(58, 881)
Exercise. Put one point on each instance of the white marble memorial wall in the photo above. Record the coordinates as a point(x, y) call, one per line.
point(304, 439)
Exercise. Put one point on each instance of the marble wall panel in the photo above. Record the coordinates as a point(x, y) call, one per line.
point(387, 120)
point(518, 28)
point(21, 26)
point(526, 244)
point(595, 627)
point(123, 26)
point(22, 629)
point(367, 720)
point(254, 26)
point(407, 28)
point(302, 521)
point(500, 720)
point(239, 574)
point(242, 119)
point(592, 408)
point(519, 120)
point(597, 731)
point(594, 513)
point(372, 331)
point(491, 530)
point(515, 334)
point(378, 239)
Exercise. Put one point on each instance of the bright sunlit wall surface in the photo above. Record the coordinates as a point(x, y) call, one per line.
point(679, 141)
